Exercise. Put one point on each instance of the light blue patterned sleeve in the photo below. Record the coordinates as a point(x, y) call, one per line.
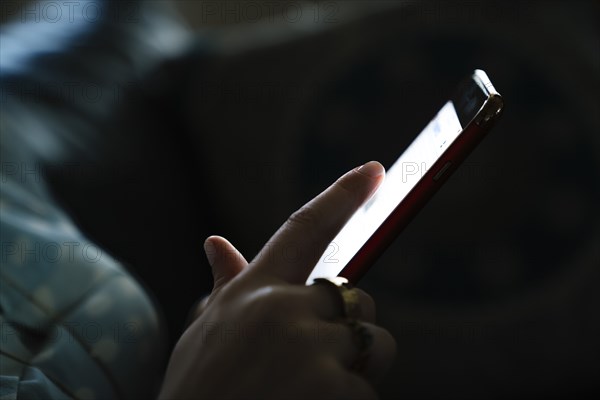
point(73, 322)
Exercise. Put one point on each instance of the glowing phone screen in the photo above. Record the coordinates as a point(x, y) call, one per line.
point(399, 181)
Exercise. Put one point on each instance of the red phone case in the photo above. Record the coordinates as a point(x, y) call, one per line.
point(456, 153)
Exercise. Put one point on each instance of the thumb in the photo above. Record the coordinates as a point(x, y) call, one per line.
point(225, 260)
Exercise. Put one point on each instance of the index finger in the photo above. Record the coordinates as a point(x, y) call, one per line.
point(293, 251)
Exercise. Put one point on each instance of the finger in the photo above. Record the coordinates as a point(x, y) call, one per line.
point(295, 248)
point(344, 342)
point(366, 306)
point(379, 356)
point(225, 260)
point(328, 304)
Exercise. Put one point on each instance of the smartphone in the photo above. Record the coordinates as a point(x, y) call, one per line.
point(413, 179)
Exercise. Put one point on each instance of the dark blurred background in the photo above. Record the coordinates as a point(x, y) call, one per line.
point(493, 289)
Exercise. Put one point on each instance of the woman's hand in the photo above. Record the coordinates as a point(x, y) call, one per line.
point(263, 334)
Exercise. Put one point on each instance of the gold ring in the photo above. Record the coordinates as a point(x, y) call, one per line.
point(361, 336)
point(349, 297)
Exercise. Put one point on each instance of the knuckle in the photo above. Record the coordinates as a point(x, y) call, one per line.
point(306, 216)
point(365, 297)
point(271, 302)
point(367, 303)
point(308, 220)
point(350, 188)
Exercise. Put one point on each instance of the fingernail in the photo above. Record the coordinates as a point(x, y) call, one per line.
point(210, 251)
point(371, 169)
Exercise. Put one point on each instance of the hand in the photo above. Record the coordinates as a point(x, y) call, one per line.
point(263, 334)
